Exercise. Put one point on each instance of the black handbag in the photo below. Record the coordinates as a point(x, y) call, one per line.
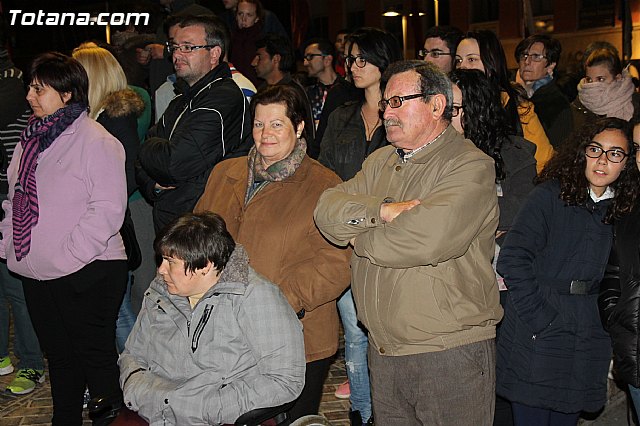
point(131, 246)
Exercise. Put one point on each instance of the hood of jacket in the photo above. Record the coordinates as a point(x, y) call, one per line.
point(233, 279)
point(123, 103)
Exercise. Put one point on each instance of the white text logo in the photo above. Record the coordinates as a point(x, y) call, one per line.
point(71, 18)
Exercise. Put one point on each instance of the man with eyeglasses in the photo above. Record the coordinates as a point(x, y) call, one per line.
point(440, 47)
point(421, 216)
point(319, 58)
point(274, 62)
point(538, 57)
point(208, 121)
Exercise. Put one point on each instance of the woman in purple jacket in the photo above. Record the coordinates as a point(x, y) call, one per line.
point(66, 203)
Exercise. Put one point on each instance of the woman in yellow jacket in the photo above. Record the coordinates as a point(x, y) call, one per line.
point(482, 50)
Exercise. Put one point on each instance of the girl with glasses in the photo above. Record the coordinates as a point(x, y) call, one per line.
point(553, 353)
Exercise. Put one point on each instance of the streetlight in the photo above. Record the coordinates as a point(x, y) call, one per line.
point(393, 12)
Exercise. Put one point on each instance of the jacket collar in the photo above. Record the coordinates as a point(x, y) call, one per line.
point(237, 175)
point(450, 135)
point(238, 172)
point(73, 127)
point(221, 71)
point(541, 82)
point(235, 276)
point(123, 103)
point(233, 280)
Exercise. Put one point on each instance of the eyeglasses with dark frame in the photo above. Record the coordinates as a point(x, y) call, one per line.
point(310, 56)
point(435, 53)
point(396, 101)
point(186, 48)
point(535, 57)
point(615, 155)
point(360, 61)
point(456, 110)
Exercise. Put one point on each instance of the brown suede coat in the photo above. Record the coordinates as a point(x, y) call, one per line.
point(277, 230)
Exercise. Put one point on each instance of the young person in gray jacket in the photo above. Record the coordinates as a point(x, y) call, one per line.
point(214, 339)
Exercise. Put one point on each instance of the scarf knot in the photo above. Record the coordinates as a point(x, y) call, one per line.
point(39, 134)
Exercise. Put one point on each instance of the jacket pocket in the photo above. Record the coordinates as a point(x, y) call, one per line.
point(553, 352)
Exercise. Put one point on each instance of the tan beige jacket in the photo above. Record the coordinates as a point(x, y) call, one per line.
point(277, 230)
point(424, 281)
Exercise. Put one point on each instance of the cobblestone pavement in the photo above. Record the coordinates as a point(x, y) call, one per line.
point(36, 407)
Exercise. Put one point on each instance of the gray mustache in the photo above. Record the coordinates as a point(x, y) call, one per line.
point(391, 122)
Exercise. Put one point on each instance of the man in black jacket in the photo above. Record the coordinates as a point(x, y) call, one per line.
point(207, 122)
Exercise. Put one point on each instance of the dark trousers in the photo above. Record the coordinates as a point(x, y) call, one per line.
point(523, 415)
point(75, 320)
point(451, 387)
point(503, 415)
point(308, 402)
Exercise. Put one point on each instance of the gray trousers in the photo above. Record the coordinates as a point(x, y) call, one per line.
point(451, 387)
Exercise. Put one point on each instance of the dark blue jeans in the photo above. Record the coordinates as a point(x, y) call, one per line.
point(126, 317)
point(355, 356)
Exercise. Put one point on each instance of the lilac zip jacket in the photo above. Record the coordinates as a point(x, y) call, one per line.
point(82, 197)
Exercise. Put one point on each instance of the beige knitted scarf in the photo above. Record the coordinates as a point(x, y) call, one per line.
point(608, 99)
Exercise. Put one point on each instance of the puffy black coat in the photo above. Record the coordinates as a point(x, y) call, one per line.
point(553, 352)
point(620, 297)
point(120, 118)
point(554, 112)
point(203, 125)
point(344, 146)
point(520, 168)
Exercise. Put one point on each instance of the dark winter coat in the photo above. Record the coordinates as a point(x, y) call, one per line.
point(203, 125)
point(520, 169)
point(344, 146)
point(553, 352)
point(120, 117)
point(339, 95)
point(243, 50)
point(581, 114)
point(554, 112)
point(13, 103)
point(620, 297)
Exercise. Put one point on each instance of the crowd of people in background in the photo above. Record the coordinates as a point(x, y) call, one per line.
point(191, 211)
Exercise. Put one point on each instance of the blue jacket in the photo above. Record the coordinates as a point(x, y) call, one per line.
point(552, 351)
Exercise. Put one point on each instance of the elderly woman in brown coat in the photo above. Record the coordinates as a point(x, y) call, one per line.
point(267, 200)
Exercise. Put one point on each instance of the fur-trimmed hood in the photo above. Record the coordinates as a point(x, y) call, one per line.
point(123, 103)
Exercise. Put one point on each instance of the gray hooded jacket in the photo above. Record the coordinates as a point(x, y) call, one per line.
point(239, 348)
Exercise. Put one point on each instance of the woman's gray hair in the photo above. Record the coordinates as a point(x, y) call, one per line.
point(432, 81)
